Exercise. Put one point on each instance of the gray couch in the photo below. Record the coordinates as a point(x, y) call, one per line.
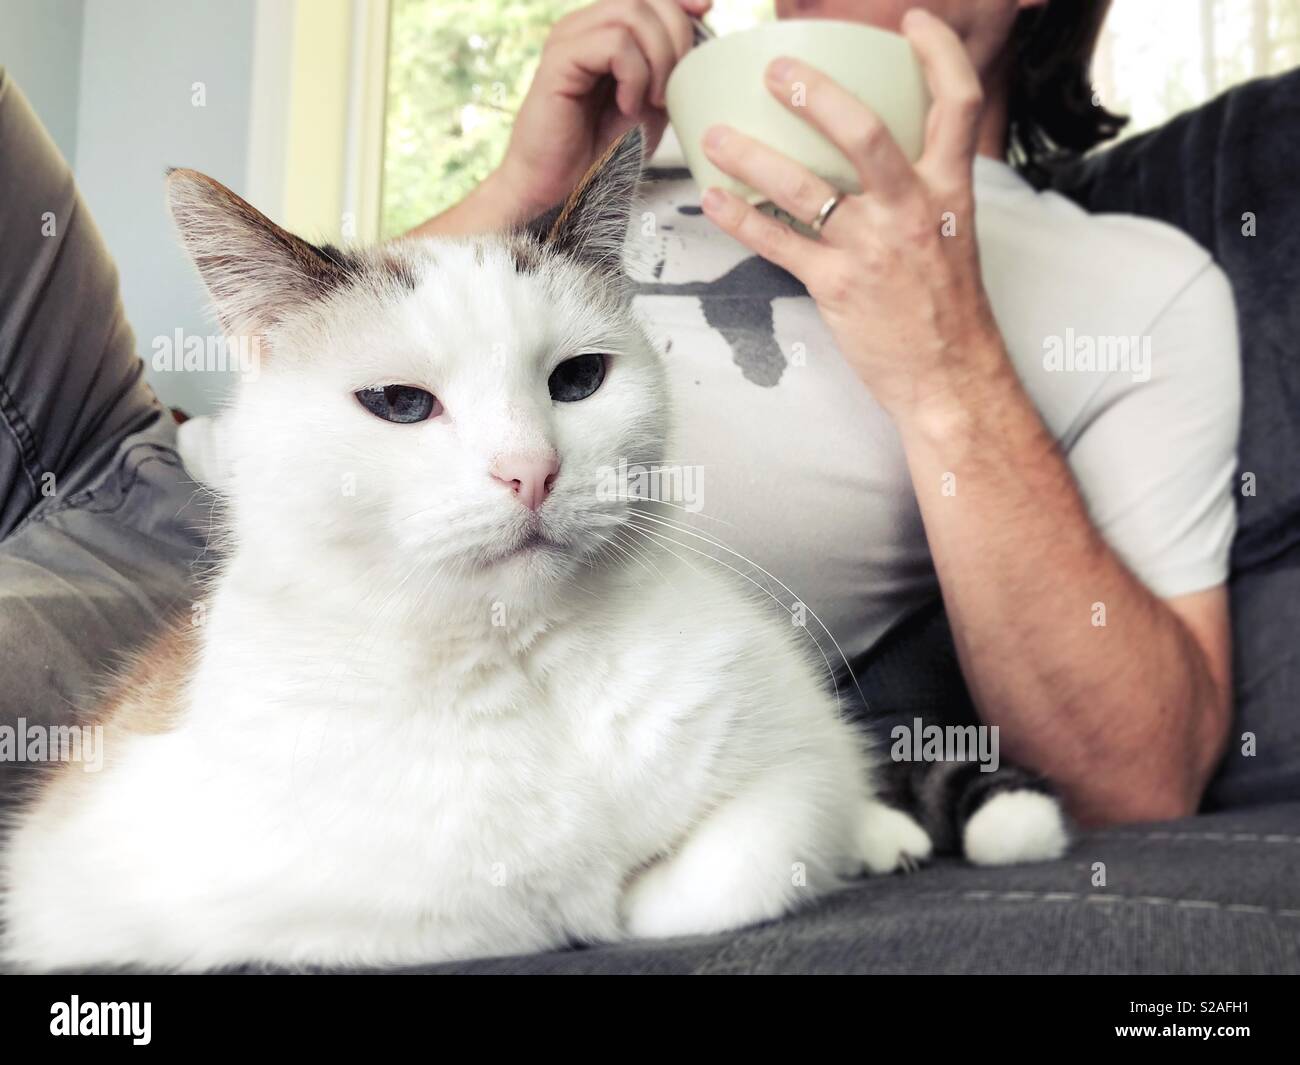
point(1216, 893)
point(1213, 894)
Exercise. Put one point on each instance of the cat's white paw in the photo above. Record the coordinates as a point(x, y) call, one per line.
point(696, 894)
point(651, 908)
point(889, 839)
point(1014, 827)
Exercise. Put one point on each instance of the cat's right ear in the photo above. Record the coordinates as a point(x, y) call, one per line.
point(591, 225)
point(254, 270)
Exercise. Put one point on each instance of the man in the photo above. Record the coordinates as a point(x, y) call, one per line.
point(1079, 520)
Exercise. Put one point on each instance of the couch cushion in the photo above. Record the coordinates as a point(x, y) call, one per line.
point(1221, 173)
point(1262, 763)
point(1212, 894)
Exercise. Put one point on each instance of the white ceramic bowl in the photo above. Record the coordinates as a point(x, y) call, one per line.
point(722, 81)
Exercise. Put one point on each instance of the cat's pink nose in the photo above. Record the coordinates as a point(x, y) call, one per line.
point(530, 476)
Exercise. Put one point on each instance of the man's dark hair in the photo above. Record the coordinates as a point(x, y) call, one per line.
point(1052, 118)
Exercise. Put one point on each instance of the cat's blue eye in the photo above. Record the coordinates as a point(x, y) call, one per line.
point(399, 403)
point(576, 378)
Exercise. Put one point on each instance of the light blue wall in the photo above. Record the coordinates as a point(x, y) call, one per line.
point(113, 80)
point(140, 62)
point(40, 47)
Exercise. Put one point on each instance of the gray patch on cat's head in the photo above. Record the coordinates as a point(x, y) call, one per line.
point(525, 252)
point(360, 265)
point(258, 272)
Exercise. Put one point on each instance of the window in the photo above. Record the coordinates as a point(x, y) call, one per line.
point(457, 72)
point(1159, 57)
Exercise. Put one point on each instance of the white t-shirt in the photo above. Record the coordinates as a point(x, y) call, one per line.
point(803, 473)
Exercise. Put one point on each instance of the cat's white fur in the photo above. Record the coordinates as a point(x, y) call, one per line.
point(400, 743)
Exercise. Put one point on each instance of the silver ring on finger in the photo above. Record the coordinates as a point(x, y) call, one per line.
point(828, 209)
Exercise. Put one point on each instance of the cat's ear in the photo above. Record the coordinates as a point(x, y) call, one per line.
point(254, 270)
point(591, 225)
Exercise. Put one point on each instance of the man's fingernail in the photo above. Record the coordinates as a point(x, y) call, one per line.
point(714, 136)
point(713, 200)
point(779, 70)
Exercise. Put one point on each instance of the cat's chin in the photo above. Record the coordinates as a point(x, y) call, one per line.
point(535, 560)
point(533, 544)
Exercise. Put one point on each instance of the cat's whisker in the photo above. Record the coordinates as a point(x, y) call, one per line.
point(689, 529)
point(419, 513)
point(641, 516)
point(640, 553)
point(659, 463)
point(679, 506)
point(624, 554)
point(664, 538)
point(662, 545)
point(637, 554)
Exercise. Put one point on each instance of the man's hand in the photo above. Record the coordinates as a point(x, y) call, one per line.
point(896, 272)
point(604, 69)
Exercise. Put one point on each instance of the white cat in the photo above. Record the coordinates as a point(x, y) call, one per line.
point(439, 703)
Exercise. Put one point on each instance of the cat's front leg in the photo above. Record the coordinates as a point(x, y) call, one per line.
point(756, 856)
point(890, 840)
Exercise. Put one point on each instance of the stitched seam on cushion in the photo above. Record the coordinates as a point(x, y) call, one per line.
point(1100, 899)
point(24, 439)
point(1204, 837)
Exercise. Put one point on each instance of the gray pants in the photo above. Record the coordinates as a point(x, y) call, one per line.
point(97, 533)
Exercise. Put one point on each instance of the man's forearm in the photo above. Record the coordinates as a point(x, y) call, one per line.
point(1124, 716)
point(495, 205)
